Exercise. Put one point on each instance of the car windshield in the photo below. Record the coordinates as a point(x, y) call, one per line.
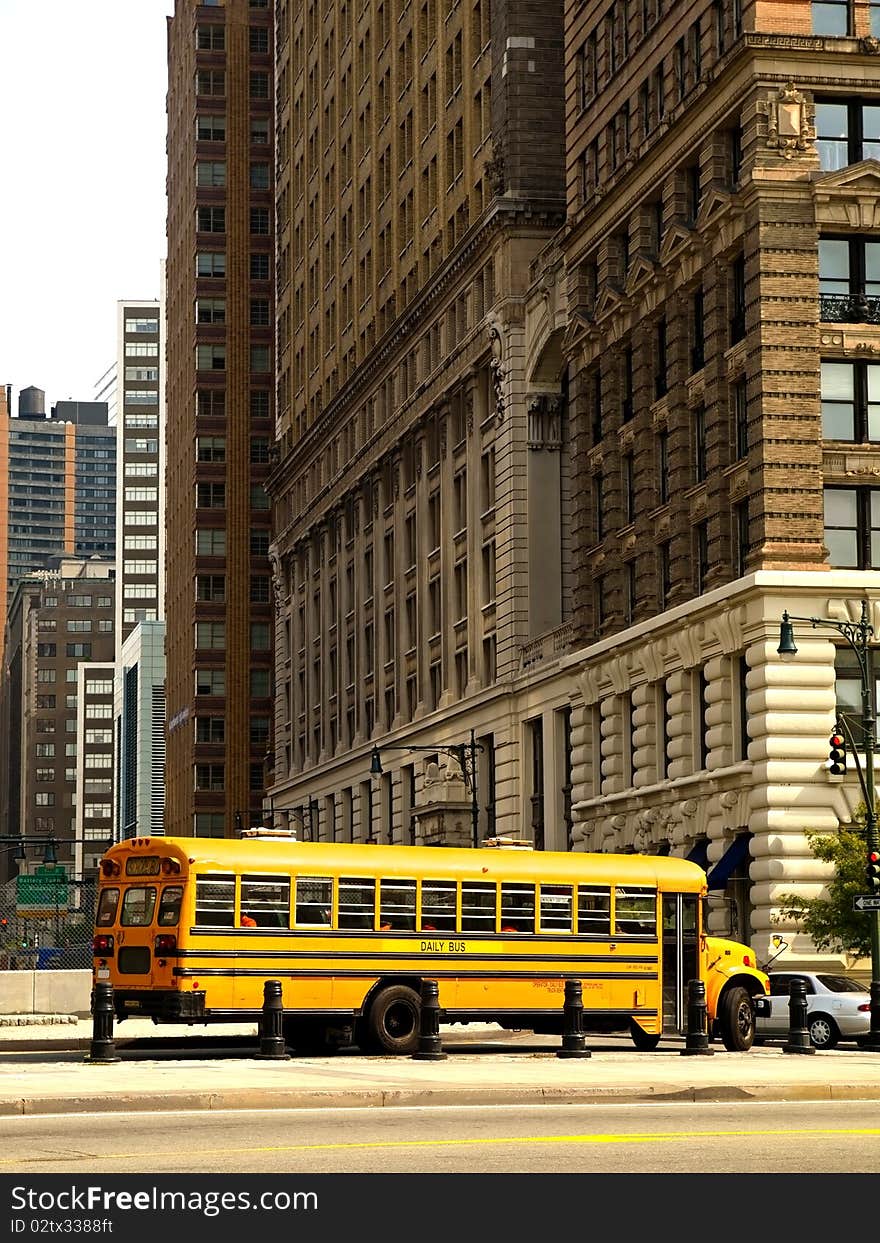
point(840, 984)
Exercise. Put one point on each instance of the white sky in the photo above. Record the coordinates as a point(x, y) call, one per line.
point(82, 200)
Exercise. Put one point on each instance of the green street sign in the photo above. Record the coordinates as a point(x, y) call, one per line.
point(46, 889)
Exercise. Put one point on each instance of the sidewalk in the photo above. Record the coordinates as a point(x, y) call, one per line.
point(483, 1066)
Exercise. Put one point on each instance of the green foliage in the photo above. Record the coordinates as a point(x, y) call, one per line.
point(831, 922)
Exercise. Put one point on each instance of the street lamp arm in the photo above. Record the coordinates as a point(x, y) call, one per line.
point(464, 752)
point(855, 633)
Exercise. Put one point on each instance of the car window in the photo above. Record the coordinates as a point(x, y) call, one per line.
point(779, 985)
point(840, 984)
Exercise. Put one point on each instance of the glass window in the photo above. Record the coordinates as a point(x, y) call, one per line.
point(438, 906)
point(517, 907)
point(635, 911)
point(478, 903)
point(107, 905)
point(556, 908)
point(211, 173)
point(211, 263)
point(594, 910)
point(832, 135)
point(831, 17)
point(841, 526)
point(211, 129)
point(838, 401)
point(265, 902)
point(169, 906)
point(397, 905)
point(215, 901)
point(314, 899)
point(848, 680)
point(357, 902)
point(138, 904)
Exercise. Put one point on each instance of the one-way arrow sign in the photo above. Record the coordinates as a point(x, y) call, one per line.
point(866, 902)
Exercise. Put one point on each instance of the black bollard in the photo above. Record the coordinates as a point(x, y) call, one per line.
point(102, 1050)
point(697, 1038)
point(574, 1042)
point(272, 1023)
point(430, 1048)
point(798, 1035)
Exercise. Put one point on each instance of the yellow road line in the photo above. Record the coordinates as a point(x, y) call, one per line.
point(350, 1146)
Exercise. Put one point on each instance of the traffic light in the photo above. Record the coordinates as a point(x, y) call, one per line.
point(836, 764)
point(872, 871)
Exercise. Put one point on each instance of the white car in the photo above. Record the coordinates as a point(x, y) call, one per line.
point(837, 1008)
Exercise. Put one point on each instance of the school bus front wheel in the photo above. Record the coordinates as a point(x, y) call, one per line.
point(736, 1019)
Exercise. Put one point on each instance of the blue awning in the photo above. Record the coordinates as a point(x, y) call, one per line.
point(729, 861)
point(699, 852)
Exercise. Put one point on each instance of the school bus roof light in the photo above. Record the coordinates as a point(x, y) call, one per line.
point(170, 867)
point(109, 867)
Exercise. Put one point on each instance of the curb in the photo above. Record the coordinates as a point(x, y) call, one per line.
point(245, 1099)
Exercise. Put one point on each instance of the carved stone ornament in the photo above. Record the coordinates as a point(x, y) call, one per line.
point(493, 170)
point(545, 421)
point(279, 595)
point(497, 367)
point(789, 122)
point(870, 45)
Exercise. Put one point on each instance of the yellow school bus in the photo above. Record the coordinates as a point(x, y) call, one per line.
point(189, 929)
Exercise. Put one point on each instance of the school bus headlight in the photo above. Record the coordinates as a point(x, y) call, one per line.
point(165, 943)
point(102, 943)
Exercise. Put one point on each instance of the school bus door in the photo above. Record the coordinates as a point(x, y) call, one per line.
point(680, 956)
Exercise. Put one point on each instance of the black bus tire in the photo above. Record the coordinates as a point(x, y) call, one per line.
point(736, 1019)
point(392, 1024)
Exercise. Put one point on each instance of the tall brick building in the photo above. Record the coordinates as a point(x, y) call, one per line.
point(561, 440)
point(720, 273)
point(419, 506)
point(219, 413)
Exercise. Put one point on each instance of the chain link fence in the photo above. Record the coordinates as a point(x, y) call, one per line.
point(47, 927)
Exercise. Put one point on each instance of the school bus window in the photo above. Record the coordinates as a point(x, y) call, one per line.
point(357, 902)
point(266, 900)
point(478, 902)
point(215, 901)
point(314, 900)
point(438, 906)
point(517, 907)
point(556, 908)
point(594, 910)
point(635, 911)
point(169, 906)
point(397, 905)
point(138, 905)
point(107, 907)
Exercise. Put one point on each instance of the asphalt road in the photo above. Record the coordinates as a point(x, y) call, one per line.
point(719, 1138)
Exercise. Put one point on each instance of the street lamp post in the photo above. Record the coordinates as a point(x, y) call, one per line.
point(858, 635)
point(466, 755)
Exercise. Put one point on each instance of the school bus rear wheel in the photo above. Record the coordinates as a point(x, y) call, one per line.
point(392, 1024)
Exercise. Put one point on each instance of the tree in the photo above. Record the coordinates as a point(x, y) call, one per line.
point(831, 922)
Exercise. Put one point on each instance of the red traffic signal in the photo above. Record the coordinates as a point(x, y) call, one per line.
point(872, 871)
point(836, 762)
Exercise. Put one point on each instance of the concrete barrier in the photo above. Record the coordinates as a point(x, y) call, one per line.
point(45, 992)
